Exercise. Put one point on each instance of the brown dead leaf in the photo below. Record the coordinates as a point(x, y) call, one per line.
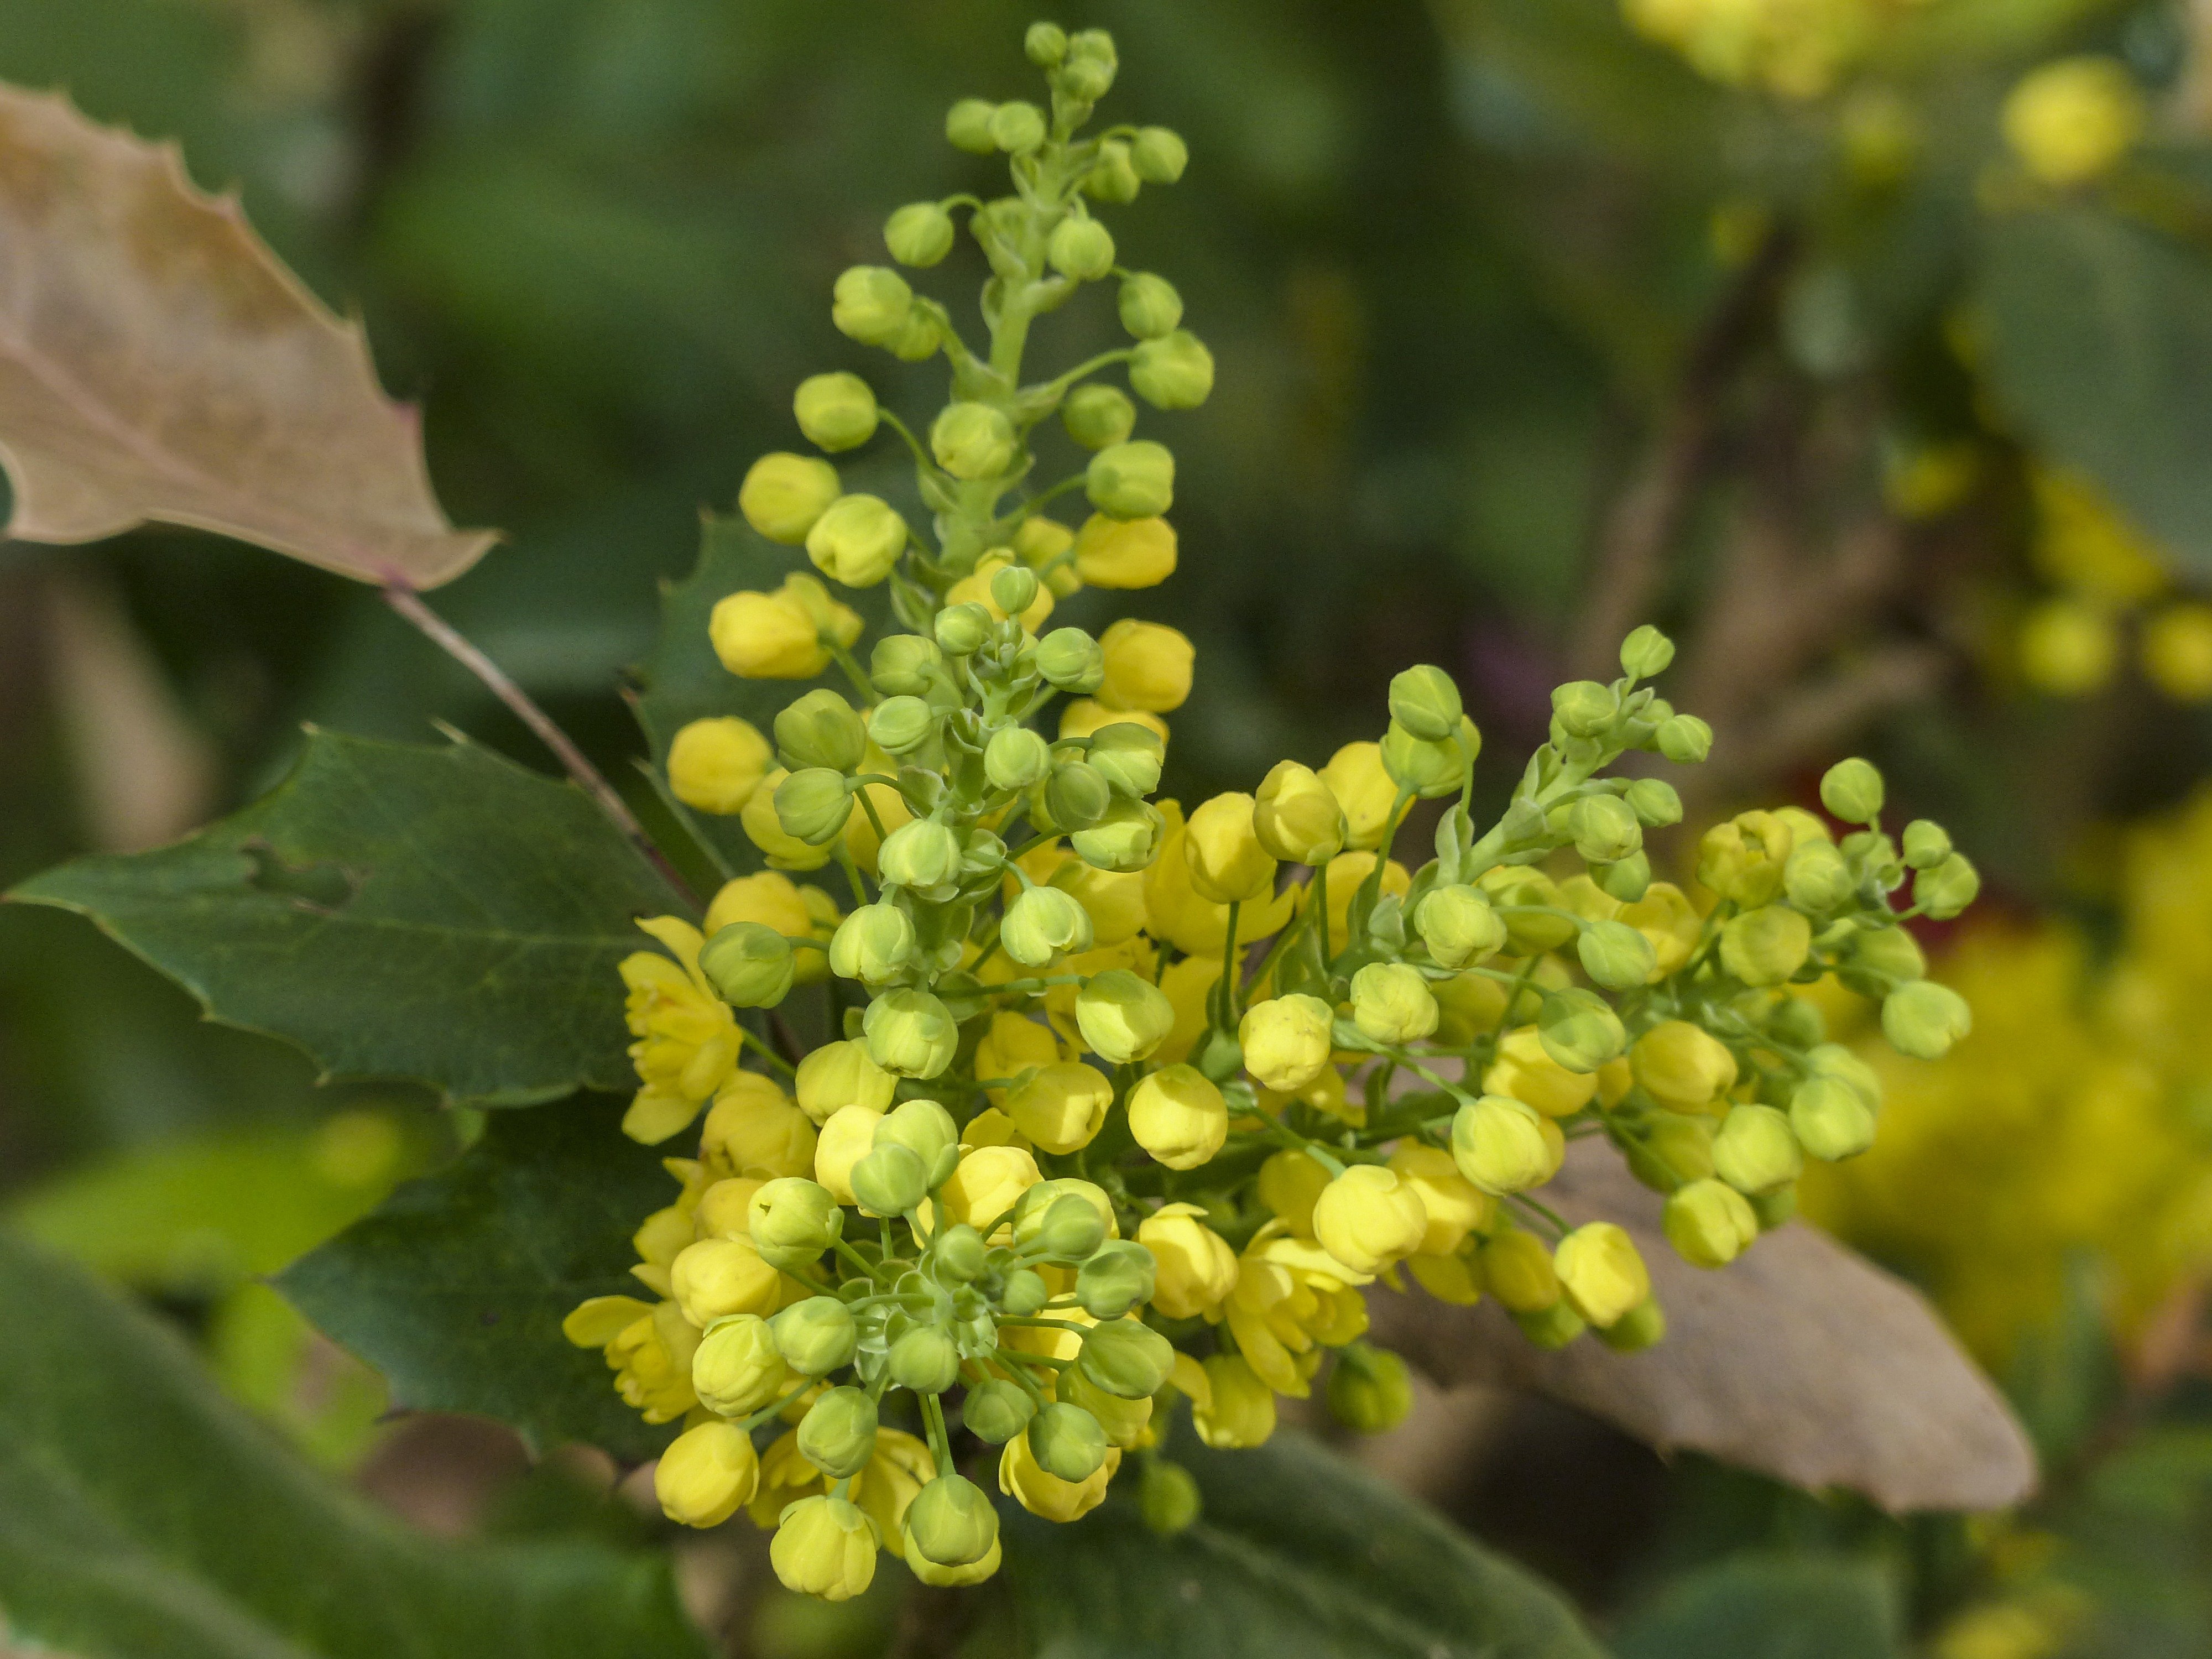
point(1800, 1360)
point(157, 361)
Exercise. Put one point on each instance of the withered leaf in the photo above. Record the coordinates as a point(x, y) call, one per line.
point(158, 362)
point(1800, 1360)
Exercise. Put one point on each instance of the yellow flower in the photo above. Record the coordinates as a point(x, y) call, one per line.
point(1195, 1268)
point(1083, 715)
point(1013, 1044)
point(1125, 553)
point(1666, 917)
point(1063, 1107)
point(986, 1182)
point(1355, 776)
point(2068, 648)
point(715, 764)
point(648, 1348)
point(1045, 1494)
point(1241, 1409)
point(783, 495)
point(1223, 852)
point(1113, 899)
point(1454, 1205)
point(687, 1037)
point(706, 1475)
point(1346, 873)
point(1368, 1218)
point(839, 1074)
point(754, 1129)
point(1290, 1184)
point(976, 589)
point(847, 1137)
point(1602, 1274)
point(717, 1277)
point(1297, 816)
point(1682, 1066)
point(1527, 1073)
point(824, 1547)
point(786, 1476)
point(2176, 651)
point(1178, 1117)
point(764, 829)
point(1452, 1278)
point(1147, 666)
point(2071, 121)
point(775, 901)
point(1742, 860)
point(1286, 1041)
point(1189, 985)
point(899, 1469)
point(770, 636)
point(1292, 1298)
point(1175, 910)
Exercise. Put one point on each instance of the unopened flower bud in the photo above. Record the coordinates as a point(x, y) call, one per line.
point(1818, 878)
point(921, 853)
point(1176, 1113)
point(1126, 839)
point(1605, 828)
point(961, 630)
point(836, 411)
point(924, 1359)
point(903, 665)
point(1682, 1066)
point(1601, 1272)
point(1128, 756)
point(824, 1547)
point(926, 1130)
point(1684, 739)
point(1391, 1003)
point(815, 1336)
point(1168, 1497)
point(1221, 847)
point(1645, 652)
point(1641, 1326)
point(1923, 1020)
point(1425, 767)
point(1296, 816)
point(737, 1367)
point(1067, 1441)
point(1424, 700)
point(1173, 372)
point(996, 1411)
point(1876, 957)
point(838, 1433)
point(708, 1475)
point(1126, 1357)
point(1765, 946)
point(1112, 553)
point(1579, 1031)
point(1098, 416)
point(1077, 795)
point(749, 964)
point(1852, 790)
point(1370, 1217)
point(1118, 1277)
point(1122, 1017)
point(1518, 1271)
point(910, 1033)
point(1044, 44)
point(1500, 1144)
point(888, 1180)
point(1654, 802)
point(1616, 956)
point(951, 1523)
point(1071, 660)
point(1948, 888)
point(1080, 247)
point(1113, 176)
point(1159, 156)
point(973, 441)
point(1070, 1227)
point(1369, 1390)
point(1132, 480)
point(1458, 925)
point(783, 495)
point(1708, 1223)
point(1014, 589)
point(791, 1220)
point(820, 729)
point(1025, 1293)
point(1150, 306)
point(715, 764)
point(1043, 923)
point(1017, 758)
point(1625, 879)
point(918, 233)
point(1754, 1151)
point(871, 304)
point(1063, 1107)
point(1017, 127)
point(1285, 1041)
point(1926, 844)
point(1829, 1118)
point(812, 805)
point(967, 126)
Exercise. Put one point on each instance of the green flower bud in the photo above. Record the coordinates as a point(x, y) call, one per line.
point(1077, 795)
point(820, 729)
point(911, 1034)
point(996, 1411)
point(1927, 844)
point(1818, 878)
point(963, 628)
point(858, 541)
point(1605, 828)
point(1168, 1497)
point(1583, 708)
point(973, 441)
point(838, 1433)
point(1150, 306)
point(925, 1359)
point(1159, 156)
point(1017, 758)
point(813, 804)
point(1391, 1003)
point(736, 1368)
point(1043, 923)
point(1128, 838)
point(1369, 1390)
point(1641, 1326)
point(1173, 372)
point(967, 126)
point(1087, 72)
point(784, 493)
point(1754, 1151)
point(791, 1220)
point(1616, 956)
point(921, 854)
point(888, 1180)
point(918, 337)
point(1067, 1441)
point(1424, 700)
point(1025, 1293)
point(1874, 958)
point(1554, 1327)
point(951, 1523)
point(1427, 769)
point(1498, 1143)
point(1132, 480)
point(918, 233)
point(1457, 924)
point(870, 304)
point(1122, 1017)
point(749, 964)
point(1852, 789)
point(958, 1252)
point(1923, 1020)
point(1117, 1278)
point(926, 1130)
point(903, 666)
point(1949, 888)
point(1830, 1120)
point(1128, 756)
point(1580, 1030)
point(871, 945)
point(1645, 653)
point(835, 411)
point(1775, 1208)
point(1126, 1357)
point(1018, 126)
point(1071, 660)
point(1627, 879)
point(815, 1336)
point(1045, 44)
point(1799, 1024)
point(901, 724)
point(1080, 247)
point(1654, 802)
point(1765, 946)
point(1014, 589)
point(1708, 1223)
point(1097, 416)
point(1069, 1227)
point(1685, 739)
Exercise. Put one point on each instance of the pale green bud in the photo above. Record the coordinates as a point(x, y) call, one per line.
point(1852, 789)
point(1150, 306)
point(1173, 372)
point(835, 411)
point(1579, 1030)
point(1948, 888)
point(737, 1368)
point(1070, 1228)
point(1071, 660)
point(1874, 958)
point(924, 1359)
point(967, 126)
point(1077, 795)
point(820, 729)
point(1018, 126)
point(1391, 1003)
point(1798, 1023)
point(1458, 925)
point(1168, 1497)
point(1118, 1277)
point(749, 964)
point(1627, 879)
point(1427, 769)
point(1126, 1357)
point(888, 1180)
point(911, 1034)
point(1927, 844)
point(926, 1130)
point(972, 440)
point(950, 1522)
point(901, 724)
point(1641, 1326)
point(858, 541)
point(791, 1220)
point(873, 944)
point(1067, 1441)
point(996, 1411)
point(1087, 72)
point(918, 337)
point(1098, 416)
point(1015, 758)
point(1043, 923)
point(1132, 480)
point(918, 233)
point(1684, 738)
point(1113, 177)
point(1554, 1327)
point(1025, 1291)
point(1498, 1143)
point(1122, 1017)
point(1014, 589)
point(1424, 700)
point(838, 1433)
point(870, 304)
point(1159, 156)
point(1605, 828)
point(959, 1251)
point(1583, 708)
point(1369, 1390)
point(1645, 652)
point(1126, 839)
point(1818, 878)
point(1654, 802)
point(1830, 1120)
point(815, 1336)
point(1045, 44)
point(1775, 1207)
point(1616, 956)
point(904, 665)
point(1765, 946)
point(961, 630)
point(1754, 1151)
point(1708, 1223)
point(813, 804)
point(921, 853)
point(1080, 247)
point(1128, 756)
point(1923, 1020)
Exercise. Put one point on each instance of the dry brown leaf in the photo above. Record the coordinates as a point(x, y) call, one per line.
point(157, 361)
point(1800, 1360)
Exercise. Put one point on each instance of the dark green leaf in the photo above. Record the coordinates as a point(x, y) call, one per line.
point(456, 1287)
point(2101, 347)
point(1769, 1607)
point(398, 911)
point(143, 1517)
point(1298, 1552)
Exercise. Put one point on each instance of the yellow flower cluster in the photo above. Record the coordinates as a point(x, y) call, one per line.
point(1126, 1107)
point(2068, 1126)
point(1792, 48)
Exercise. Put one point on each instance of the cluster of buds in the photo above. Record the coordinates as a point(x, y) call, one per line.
point(1130, 1107)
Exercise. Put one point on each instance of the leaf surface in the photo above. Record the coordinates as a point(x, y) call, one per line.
point(1769, 1607)
point(398, 911)
point(158, 362)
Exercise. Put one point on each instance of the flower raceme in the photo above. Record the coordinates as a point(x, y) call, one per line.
point(1124, 1107)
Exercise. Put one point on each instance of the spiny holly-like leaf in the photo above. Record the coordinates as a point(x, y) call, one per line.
point(398, 911)
point(144, 1517)
point(157, 361)
point(456, 1288)
point(1297, 1553)
point(1800, 1359)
